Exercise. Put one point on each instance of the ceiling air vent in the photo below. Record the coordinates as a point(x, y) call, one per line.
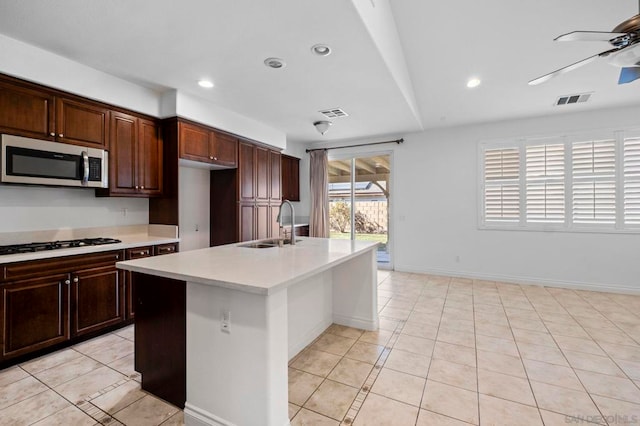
point(573, 99)
point(334, 113)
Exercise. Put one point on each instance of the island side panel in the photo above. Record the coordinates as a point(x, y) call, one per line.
point(355, 292)
point(160, 336)
point(236, 376)
point(310, 304)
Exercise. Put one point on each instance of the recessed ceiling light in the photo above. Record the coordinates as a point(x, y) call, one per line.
point(473, 82)
point(274, 63)
point(321, 50)
point(206, 84)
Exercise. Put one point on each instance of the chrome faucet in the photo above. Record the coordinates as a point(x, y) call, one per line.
point(293, 220)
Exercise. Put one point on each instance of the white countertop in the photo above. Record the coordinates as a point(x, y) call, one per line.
point(131, 236)
point(252, 270)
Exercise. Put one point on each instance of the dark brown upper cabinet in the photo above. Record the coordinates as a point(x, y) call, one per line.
point(35, 111)
point(135, 160)
point(202, 144)
point(290, 178)
point(81, 123)
point(26, 111)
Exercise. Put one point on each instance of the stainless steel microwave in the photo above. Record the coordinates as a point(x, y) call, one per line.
point(37, 162)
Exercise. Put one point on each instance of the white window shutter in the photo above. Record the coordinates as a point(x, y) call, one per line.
point(631, 172)
point(594, 182)
point(545, 183)
point(501, 185)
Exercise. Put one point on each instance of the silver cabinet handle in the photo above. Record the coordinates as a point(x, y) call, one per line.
point(75, 280)
point(211, 157)
point(142, 187)
point(67, 282)
point(137, 187)
point(52, 134)
point(215, 158)
point(61, 135)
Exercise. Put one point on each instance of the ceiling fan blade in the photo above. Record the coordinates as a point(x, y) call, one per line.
point(629, 74)
point(588, 36)
point(568, 68)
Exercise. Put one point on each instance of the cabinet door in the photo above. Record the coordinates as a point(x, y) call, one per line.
point(82, 123)
point(130, 254)
point(247, 221)
point(149, 158)
point(290, 178)
point(26, 112)
point(246, 170)
point(274, 230)
point(35, 314)
point(224, 149)
point(262, 174)
point(275, 160)
point(123, 155)
point(193, 142)
point(98, 299)
point(263, 222)
point(294, 188)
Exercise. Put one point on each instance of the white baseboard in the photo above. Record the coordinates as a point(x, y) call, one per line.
point(361, 323)
point(309, 336)
point(194, 416)
point(576, 285)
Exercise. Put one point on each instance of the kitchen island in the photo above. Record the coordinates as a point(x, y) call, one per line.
point(247, 312)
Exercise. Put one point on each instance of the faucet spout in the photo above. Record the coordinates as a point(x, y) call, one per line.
point(293, 220)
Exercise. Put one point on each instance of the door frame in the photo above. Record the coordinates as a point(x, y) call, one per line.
point(353, 153)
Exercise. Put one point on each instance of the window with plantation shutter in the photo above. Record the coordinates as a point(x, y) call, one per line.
point(501, 185)
point(594, 182)
point(545, 183)
point(586, 182)
point(631, 172)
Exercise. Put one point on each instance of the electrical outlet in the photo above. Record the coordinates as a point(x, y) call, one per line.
point(225, 324)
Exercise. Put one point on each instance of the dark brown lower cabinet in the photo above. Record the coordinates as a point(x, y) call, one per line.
point(54, 302)
point(98, 299)
point(35, 314)
point(160, 336)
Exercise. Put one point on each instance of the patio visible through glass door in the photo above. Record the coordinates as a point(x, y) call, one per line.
point(359, 201)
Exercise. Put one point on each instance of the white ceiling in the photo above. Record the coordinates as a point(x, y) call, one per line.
point(166, 44)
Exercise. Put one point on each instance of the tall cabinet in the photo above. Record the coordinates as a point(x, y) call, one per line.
point(245, 201)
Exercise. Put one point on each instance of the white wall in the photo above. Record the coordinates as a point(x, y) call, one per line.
point(31, 63)
point(193, 204)
point(32, 208)
point(435, 209)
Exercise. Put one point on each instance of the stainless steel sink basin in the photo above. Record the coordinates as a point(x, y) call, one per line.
point(271, 242)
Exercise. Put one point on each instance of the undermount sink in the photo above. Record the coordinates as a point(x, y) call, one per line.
point(271, 242)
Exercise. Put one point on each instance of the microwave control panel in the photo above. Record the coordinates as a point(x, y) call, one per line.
point(95, 169)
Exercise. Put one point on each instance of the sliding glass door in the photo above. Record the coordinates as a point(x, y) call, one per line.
point(359, 197)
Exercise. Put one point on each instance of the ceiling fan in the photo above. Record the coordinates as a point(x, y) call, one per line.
point(625, 39)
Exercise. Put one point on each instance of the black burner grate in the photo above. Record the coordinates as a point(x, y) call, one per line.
point(54, 245)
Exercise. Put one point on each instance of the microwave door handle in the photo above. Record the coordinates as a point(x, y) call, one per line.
point(85, 168)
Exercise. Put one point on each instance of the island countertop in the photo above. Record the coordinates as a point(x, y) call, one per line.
point(251, 270)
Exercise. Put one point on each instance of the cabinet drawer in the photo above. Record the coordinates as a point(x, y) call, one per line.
point(139, 252)
point(43, 267)
point(165, 249)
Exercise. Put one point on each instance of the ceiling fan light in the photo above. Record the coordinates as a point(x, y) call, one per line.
point(322, 126)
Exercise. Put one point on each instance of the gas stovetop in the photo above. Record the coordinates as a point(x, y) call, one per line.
point(54, 245)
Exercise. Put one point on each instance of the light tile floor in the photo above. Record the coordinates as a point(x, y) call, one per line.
point(449, 351)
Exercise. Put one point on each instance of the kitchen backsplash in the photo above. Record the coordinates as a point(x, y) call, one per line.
point(32, 208)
